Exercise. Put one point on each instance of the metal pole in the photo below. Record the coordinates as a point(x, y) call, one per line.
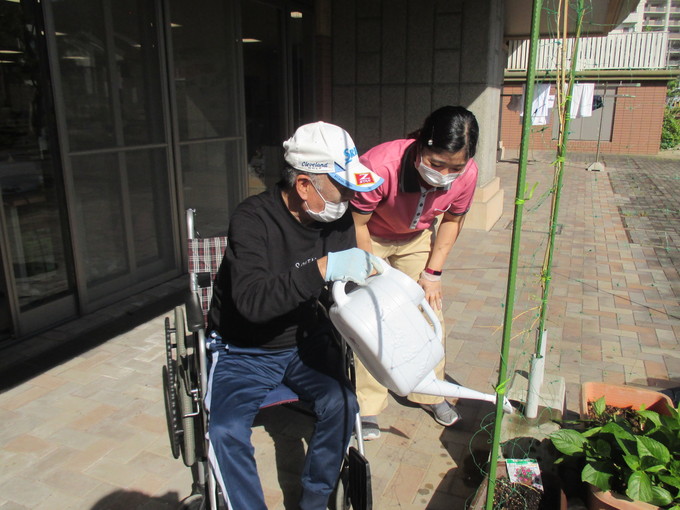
point(599, 130)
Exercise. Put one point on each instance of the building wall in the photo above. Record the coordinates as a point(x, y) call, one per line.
point(636, 126)
point(396, 61)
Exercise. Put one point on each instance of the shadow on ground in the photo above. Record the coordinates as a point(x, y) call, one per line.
point(133, 500)
point(290, 428)
point(468, 444)
point(29, 358)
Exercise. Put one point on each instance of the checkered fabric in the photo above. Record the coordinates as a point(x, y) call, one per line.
point(205, 256)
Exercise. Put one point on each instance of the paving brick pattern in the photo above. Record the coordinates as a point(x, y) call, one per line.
point(89, 432)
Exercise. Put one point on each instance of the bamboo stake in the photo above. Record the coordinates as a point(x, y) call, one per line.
point(520, 195)
point(567, 83)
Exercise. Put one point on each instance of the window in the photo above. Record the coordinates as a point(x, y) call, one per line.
point(34, 235)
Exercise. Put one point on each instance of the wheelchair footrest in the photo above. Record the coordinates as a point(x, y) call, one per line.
point(359, 485)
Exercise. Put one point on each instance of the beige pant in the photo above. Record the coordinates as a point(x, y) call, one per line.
point(410, 258)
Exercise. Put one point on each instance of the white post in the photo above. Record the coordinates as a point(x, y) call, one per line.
point(536, 375)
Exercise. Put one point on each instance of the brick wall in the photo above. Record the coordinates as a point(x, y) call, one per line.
point(636, 126)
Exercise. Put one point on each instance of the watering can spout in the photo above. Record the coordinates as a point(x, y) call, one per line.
point(433, 386)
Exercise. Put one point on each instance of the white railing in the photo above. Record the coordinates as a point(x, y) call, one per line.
point(632, 50)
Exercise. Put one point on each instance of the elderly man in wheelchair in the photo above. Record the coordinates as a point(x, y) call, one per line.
point(266, 325)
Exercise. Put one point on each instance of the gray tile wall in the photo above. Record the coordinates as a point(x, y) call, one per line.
point(394, 61)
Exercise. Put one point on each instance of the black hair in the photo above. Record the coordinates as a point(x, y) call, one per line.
point(449, 128)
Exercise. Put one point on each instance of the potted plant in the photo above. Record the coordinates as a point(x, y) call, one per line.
point(522, 494)
point(630, 453)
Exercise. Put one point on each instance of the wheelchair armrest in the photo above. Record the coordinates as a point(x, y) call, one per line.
point(195, 320)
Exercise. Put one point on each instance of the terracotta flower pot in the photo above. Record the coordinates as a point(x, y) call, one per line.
point(620, 396)
point(623, 396)
point(598, 500)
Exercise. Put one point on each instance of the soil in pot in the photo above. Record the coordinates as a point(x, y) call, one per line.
point(516, 496)
point(626, 413)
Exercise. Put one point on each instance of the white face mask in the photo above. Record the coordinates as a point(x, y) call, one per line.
point(434, 178)
point(331, 211)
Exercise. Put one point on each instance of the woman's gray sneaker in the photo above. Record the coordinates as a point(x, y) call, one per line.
point(444, 413)
point(369, 428)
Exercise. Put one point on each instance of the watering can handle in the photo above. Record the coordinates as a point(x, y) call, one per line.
point(432, 316)
point(341, 298)
point(339, 295)
point(338, 290)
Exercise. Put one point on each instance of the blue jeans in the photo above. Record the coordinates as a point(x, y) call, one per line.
point(239, 380)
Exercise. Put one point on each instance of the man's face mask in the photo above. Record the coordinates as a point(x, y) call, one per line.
point(331, 210)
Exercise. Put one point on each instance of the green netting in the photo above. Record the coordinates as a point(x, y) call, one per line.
point(535, 317)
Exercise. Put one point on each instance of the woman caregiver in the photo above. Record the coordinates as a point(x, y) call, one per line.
point(428, 175)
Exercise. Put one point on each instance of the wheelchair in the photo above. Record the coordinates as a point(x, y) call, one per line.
point(185, 381)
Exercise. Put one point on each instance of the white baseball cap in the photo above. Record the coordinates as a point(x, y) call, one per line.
point(321, 148)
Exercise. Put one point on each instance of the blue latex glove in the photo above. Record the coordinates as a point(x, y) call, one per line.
point(353, 265)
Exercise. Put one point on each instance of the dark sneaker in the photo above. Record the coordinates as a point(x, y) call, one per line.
point(369, 428)
point(444, 413)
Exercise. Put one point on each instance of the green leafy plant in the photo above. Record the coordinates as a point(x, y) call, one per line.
point(636, 453)
point(670, 131)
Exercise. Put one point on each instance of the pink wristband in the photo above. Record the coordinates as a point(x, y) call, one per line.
point(433, 272)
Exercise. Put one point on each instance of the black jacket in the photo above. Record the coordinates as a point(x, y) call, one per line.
point(265, 293)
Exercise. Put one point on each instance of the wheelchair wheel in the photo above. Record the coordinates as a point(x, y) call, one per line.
point(187, 409)
point(184, 387)
point(172, 416)
point(194, 375)
point(169, 374)
point(169, 361)
point(194, 502)
point(180, 331)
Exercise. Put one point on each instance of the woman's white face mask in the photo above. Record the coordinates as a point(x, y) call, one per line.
point(331, 210)
point(435, 178)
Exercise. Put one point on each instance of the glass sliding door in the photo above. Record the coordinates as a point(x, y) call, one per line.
point(278, 78)
point(301, 45)
point(207, 90)
point(38, 281)
point(242, 81)
point(115, 124)
point(266, 87)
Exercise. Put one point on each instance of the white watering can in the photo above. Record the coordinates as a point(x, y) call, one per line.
point(384, 325)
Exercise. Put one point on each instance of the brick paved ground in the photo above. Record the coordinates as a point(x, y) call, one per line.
point(89, 431)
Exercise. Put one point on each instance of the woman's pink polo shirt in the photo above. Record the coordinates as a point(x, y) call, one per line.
point(403, 205)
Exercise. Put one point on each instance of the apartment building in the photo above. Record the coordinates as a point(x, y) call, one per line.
point(657, 16)
point(664, 16)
